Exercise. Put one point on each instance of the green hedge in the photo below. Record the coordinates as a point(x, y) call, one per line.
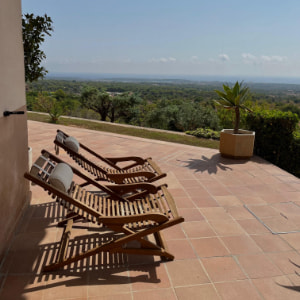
point(205, 133)
point(274, 138)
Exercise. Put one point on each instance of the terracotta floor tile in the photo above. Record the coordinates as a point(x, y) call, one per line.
point(251, 200)
point(258, 266)
point(287, 262)
point(174, 233)
point(222, 269)
point(295, 219)
point(190, 214)
point(205, 291)
point(197, 191)
point(280, 224)
point(31, 240)
point(242, 190)
point(274, 197)
point(228, 200)
point(178, 192)
point(293, 239)
point(271, 243)
point(161, 294)
point(227, 227)
point(239, 213)
point(181, 249)
point(209, 247)
point(186, 273)
point(149, 277)
point(253, 226)
point(295, 280)
point(110, 282)
point(276, 288)
point(198, 229)
point(126, 296)
point(217, 189)
point(191, 183)
point(215, 213)
point(240, 245)
point(63, 287)
point(184, 202)
point(205, 201)
point(237, 290)
point(263, 211)
point(292, 196)
point(287, 208)
point(209, 192)
point(22, 287)
point(23, 262)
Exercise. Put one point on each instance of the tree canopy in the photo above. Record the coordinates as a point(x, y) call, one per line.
point(34, 29)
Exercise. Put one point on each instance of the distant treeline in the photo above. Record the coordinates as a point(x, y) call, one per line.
point(179, 106)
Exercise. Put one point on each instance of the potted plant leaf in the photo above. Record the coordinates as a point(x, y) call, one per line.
point(235, 143)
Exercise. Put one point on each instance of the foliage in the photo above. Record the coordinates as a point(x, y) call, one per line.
point(133, 131)
point(50, 105)
point(34, 29)
point(97, 101)
point(291, 107)
point(232, 99)
point(205, 133)
point(180, 115)
point(124, 107)
point(161, 115)
point(274, 137)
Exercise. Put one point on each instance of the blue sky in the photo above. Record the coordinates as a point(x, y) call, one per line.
point(257, 38)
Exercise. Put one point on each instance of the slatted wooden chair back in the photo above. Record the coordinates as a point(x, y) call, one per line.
point(141, 170)
point(136, 219)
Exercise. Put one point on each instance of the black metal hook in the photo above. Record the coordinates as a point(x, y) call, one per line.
point(8, 113)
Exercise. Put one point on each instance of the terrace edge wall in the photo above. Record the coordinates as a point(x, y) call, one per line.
point(14, 189)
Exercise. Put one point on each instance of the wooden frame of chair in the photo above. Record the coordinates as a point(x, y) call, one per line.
point(141, 170)
point(136, 216)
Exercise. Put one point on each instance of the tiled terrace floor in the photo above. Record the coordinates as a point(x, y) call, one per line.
point(222, 251)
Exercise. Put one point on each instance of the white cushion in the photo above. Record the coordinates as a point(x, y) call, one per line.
point(61, 177)
point(72, 143)
point(60, 136)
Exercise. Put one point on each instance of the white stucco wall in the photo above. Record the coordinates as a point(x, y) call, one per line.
point(14, 189)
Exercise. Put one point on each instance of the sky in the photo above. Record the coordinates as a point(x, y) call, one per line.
point(242, 38)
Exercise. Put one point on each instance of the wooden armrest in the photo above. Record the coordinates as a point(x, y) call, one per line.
point(136, 159)
point(132, 187)
point(119, 178)
point(156, 217)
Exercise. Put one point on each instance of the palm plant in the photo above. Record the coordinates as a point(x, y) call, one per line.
point(232, 99)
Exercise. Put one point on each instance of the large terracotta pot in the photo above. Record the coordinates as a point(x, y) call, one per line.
point(239, 145)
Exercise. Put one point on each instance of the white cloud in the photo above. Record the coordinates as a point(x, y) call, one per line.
point(249, 58)
point(163, 60)
point(224, 57)
point(273, 58)
point(194, 58)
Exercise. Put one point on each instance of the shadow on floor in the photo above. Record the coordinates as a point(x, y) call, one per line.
point(292, 287)
point(31, 251)
point(207, 164)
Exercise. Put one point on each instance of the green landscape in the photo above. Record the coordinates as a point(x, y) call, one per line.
point(178, 106)
point(173, 105)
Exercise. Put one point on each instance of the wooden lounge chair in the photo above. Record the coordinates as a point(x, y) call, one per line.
point(132, 216)
point(137, 169)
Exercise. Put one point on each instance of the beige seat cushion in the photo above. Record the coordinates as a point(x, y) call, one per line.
point(61, 177)
point(72, 144)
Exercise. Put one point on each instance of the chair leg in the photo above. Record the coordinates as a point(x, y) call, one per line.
point(117, 245)
point(70, 216)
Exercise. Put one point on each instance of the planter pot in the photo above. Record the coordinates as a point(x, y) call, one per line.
point(239, 145)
